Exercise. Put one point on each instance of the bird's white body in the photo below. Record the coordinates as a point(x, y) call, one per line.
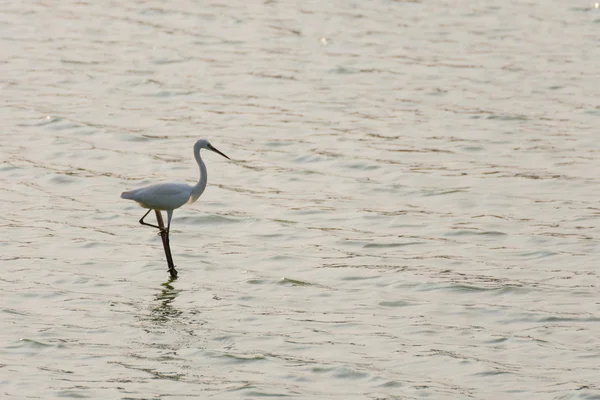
point(170, 196)
point(162, 196)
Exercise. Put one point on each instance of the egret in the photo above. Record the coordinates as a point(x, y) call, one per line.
point(170, 196)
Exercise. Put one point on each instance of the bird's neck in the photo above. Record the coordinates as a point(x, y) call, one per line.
point(201, 185)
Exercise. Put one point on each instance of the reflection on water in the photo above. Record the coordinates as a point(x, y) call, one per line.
point(164, 311)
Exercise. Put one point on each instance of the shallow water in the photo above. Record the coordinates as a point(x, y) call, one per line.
point(411, 210)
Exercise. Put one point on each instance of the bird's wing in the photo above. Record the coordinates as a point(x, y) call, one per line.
point(163, 196)
point(168, 189)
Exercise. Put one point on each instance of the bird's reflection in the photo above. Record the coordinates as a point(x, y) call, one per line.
point(164, 310)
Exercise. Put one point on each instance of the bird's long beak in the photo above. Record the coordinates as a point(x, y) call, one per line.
point(211, 147)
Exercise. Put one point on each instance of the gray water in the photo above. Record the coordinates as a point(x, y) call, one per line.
point(411, 210)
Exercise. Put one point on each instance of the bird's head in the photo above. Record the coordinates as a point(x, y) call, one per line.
point(205, 144)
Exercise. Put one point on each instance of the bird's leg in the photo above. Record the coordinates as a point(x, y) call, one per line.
point(161, 224)
point(172, 269)
point(164, 234)
point(169, 216)
point(167, 246)
point(147, 224)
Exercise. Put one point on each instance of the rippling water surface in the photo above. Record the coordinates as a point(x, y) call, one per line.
point(411, 210)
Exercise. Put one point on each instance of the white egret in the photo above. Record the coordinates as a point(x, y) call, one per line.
point(170, 196)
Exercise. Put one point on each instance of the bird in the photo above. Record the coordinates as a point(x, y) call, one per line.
point(170, 196)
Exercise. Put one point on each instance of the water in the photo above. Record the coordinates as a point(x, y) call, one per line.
point(411, 210)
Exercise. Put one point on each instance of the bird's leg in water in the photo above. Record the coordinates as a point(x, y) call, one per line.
point(147, 224)
point(164, 235)
point(172, 269)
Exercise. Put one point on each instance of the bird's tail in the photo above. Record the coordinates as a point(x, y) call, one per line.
point(126, 195)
